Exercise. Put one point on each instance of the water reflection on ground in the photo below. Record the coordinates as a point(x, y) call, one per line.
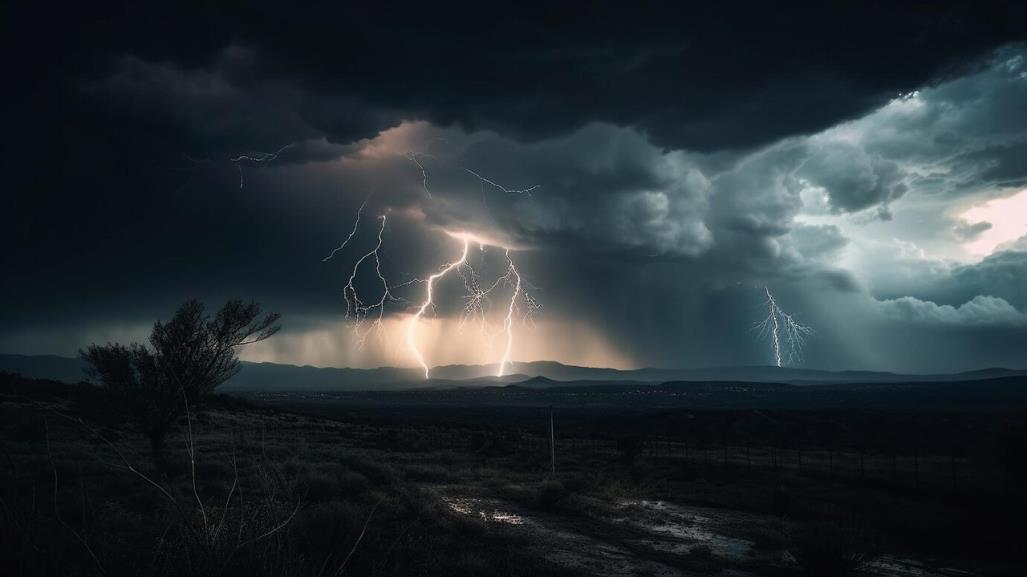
point(660, 538)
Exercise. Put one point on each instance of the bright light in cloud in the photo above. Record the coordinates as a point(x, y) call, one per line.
point(444, 340)
point(1008, 218)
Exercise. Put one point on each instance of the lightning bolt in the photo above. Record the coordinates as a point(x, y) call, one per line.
point(412, 326)
point(416, 157)
point(257, 157)
point(490, 182)
point(413, 157)
point(795, 333)
point(353, 232)
point(508, 322)
point(477, 298)
point(356, 307)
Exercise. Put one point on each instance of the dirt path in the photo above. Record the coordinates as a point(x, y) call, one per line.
point(659, 538)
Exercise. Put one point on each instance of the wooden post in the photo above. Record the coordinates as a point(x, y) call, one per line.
point(552, 443)
point(952, 460)
point(916, 467)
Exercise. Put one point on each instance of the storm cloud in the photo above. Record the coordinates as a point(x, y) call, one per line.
point(653, 173)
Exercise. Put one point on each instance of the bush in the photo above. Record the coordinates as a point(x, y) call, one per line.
point(701, 552)
point(429, 474)
point(327, 525)
point(315, 487)
point(769, 538)
point(827, 549)
point(352, 484)
point(376, 473)
point(550, 493)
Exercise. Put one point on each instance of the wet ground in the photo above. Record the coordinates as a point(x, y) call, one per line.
point(611, 538)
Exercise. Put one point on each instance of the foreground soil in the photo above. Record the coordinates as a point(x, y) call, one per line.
point(270, 492)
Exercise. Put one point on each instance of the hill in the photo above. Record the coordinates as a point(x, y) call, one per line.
point(540, 374)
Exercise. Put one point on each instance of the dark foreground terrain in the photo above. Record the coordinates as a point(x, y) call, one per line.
point(696, 480)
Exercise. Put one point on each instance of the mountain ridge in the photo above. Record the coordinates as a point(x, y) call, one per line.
point(265, 376)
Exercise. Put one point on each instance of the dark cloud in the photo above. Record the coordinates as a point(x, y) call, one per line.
point(699, 77)
point(1003, 274)
point(980, 310)
point(683, 155)
point(854, 180)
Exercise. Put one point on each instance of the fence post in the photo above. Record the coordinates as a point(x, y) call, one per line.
point(952, 460)
point(552, 442)
point(916, 467)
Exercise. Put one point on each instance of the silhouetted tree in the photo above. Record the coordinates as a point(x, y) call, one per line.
point(187, 358)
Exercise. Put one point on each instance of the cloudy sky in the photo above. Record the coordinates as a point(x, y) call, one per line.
point(652, 173)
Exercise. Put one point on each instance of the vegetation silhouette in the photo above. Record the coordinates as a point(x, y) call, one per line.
point(187, 358)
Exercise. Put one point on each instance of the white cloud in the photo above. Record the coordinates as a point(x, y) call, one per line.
point(981, 310)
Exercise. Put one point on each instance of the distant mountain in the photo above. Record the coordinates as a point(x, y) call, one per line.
point(44, 367)
point(540, 374)
point(752, 374)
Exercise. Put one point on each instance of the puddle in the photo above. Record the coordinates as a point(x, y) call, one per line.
point(657, 538)
point(686, 528)
point(562, 544)
point(888, 566)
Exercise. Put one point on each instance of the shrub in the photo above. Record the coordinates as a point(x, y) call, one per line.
point(352, 484)
point(187, 358)
point(550, 493)
point(315, 487)
point(429, 474)
point(325, 526)
point(701, 551)
point(827, 549)
point(769, 538)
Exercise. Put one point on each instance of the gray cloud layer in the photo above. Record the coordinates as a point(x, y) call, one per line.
point(682, 166)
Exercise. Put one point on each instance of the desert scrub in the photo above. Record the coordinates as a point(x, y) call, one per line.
point(701, 552)
point(315, 487)
point(324, 526)
point(429, 474)
point(826, 548)
point(550, 494)
point(769, 537)
point(377, 473)
point(352, 484)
